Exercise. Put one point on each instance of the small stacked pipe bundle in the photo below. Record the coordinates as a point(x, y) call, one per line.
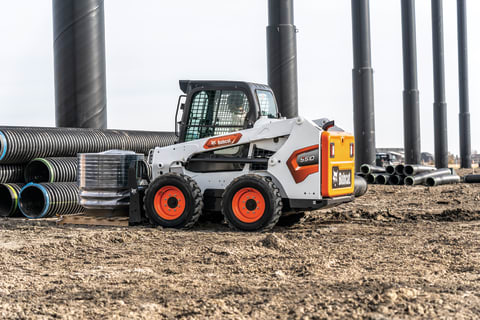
point(103, 178)
point(9, 193)
point(408, 174)
point(22, 144)
point(42, 200)
point(51, 170)
point(11, 173)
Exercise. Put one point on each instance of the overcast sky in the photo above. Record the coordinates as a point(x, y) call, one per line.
point(152, 44)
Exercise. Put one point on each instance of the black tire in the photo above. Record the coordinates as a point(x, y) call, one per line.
point(191, 193)
point(272, 202)
point(291, 219)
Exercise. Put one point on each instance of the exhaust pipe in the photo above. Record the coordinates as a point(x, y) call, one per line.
point(368, 168)
point(9, 199)
point(382, 179)
point(49, 199)
point(447, 179)
point(413, 169)
point(422, 177)
point(51, 170)
point(396, 180)
point(361, 186)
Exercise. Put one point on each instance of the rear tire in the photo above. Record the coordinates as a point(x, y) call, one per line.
point(252, 203)
point(173, 200)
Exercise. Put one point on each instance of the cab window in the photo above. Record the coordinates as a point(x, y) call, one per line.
point(268, 107)
point(216, 112)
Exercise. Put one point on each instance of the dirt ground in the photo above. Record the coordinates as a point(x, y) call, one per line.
point(398, 252)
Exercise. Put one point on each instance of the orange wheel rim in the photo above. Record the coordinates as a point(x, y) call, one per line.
point(169, 203)
point(248, 205)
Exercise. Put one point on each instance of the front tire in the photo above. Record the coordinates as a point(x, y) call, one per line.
point(173, 200)
point(252, 203)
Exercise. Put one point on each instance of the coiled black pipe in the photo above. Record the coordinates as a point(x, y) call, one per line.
point(9, 199)
point(22, 144)
point(422, 177)
point(413, 169)
point(360, 186)
point(11, 173)
point(42, 200)
point(472, 178)
point(368, 168)
point(447, 179)
point(51, 170)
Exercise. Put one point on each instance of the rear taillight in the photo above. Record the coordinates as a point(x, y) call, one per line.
point(332, 150)
point(352, 150)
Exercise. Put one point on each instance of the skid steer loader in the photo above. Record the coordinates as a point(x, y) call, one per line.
point(237, 155)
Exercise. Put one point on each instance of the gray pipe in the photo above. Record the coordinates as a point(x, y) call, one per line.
point(362, 74)
point(422, 177)
point(396, 180)
point(382, 179)
point(371, 177)
point(361, 186)
point(472, 178)
point(282, 56)
point(399, 169)
point(79, 61)
point(368, 168)
point(413, 169)
point(390, 169)
point(446, 179)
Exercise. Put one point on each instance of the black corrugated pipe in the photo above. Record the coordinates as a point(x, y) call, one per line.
point(363, 110)
point(51, 170)
point(411, 113)
point(49, 199)
point(282, 56)
point(79, 59)
point(23, 144)
point(11, 172)
point(9, 199)
point(464, 116)
point(360, 186)
point(439, 105)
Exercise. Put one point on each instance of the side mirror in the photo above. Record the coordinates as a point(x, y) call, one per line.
point(180, 106)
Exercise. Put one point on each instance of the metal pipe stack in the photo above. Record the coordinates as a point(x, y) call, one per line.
point(409, 174)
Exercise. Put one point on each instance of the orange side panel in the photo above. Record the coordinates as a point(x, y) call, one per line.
point(338, 172)
point(301, 173)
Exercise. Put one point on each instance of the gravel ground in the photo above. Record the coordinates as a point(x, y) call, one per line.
point(398, 252)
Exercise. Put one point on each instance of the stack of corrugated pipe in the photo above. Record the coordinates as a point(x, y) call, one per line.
point(408, 174)
point(38, 166)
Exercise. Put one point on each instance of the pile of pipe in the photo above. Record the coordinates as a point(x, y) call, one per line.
point(408, 174)
point(38, 166)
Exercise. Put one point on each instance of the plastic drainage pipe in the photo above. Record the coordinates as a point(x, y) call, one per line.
point(399, 169)
point(396, 179)
point(368, 168)
point(9, 199)
point(446, 179)
point(49, 199)
point(382, 179)
point(390, 169)
point(11, 173)
point(413, 169)
point(472, 178)
point(361, 186)
point(422, 177)
point(371, 178)
point(51, 170)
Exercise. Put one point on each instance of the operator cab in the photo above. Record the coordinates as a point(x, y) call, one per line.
point(212, 108)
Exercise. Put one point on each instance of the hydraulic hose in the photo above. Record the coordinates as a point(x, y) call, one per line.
point(11, 173)
point(23, 144)
point(42, 200)
point(9, 199)
point(51, 170)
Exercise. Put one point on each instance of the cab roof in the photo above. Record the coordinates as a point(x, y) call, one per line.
point(188, 85)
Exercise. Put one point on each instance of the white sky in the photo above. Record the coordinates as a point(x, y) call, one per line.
point(152, 44)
